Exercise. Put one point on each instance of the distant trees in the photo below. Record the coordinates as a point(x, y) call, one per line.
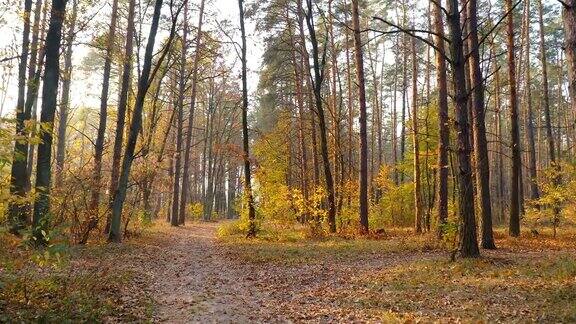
point(197, 147)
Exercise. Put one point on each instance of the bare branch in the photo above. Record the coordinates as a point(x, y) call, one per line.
point(412, 34)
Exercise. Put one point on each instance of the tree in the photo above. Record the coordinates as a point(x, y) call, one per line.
point(65, 101)
point(468, 243)
point(48, 110)
point(534, 192)
point(569, 19)
point(514, 228)
point(136, 122)
point(122, 104)
point(186, 171)
point(545, 87)
point(418, 216)
point(174, 216)
point(443, 122)
point(245, 139)
point(18, 179)
point(479, 128)
point(99, 144)
point(318, 67)
point(363, 135)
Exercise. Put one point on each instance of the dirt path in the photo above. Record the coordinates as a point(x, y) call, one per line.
point(194, 279)
point(190, 277)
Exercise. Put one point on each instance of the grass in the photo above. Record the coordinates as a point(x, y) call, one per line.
point(401, 277)
point(294, 246)
point(493, 289)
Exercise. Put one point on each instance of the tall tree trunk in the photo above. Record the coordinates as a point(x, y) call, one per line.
point(18, 211)
point(177, 152)
point(245, 139)
point(65, 101)
point(179, 208)
point(49, 97)
point(99, 145)
point(186, 171)
point(136, 123)
point(515, 184)
point(534, 192)
point(298, 76)
point(395, 122)
point(545, 87)
point(468, 241)
point(232, 179)
point(358, 55)
point(479, 129)
point(418, 219)
point(443, 122)
point(318, 78)
point(349, 103)
point(498, 112)
point(122, 104)
point(404, 90)
point(569, 19)
point(34, 75)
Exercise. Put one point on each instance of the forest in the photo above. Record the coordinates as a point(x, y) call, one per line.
point(288, 161)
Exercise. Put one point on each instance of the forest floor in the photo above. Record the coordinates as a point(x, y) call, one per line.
point(188, 274)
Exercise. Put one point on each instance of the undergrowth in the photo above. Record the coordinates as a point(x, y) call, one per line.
point(62, 284)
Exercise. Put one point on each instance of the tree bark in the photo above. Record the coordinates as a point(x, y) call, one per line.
point(99, 144)
point(122, 104)
point(186, 171)
point(245, 139)
point(358, 55)
point(18, 210)
point(468, 242)
point(443, 122)
point(418, 219)
point(514, 226)
point(48, 110)
point(479, 129)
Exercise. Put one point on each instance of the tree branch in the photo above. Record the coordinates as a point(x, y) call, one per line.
point(412, 34)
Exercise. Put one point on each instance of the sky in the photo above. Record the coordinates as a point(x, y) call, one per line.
point(86, 86)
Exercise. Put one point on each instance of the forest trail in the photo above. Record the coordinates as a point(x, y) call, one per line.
point(196, 282)
point(194, 278)
point(188, 275)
